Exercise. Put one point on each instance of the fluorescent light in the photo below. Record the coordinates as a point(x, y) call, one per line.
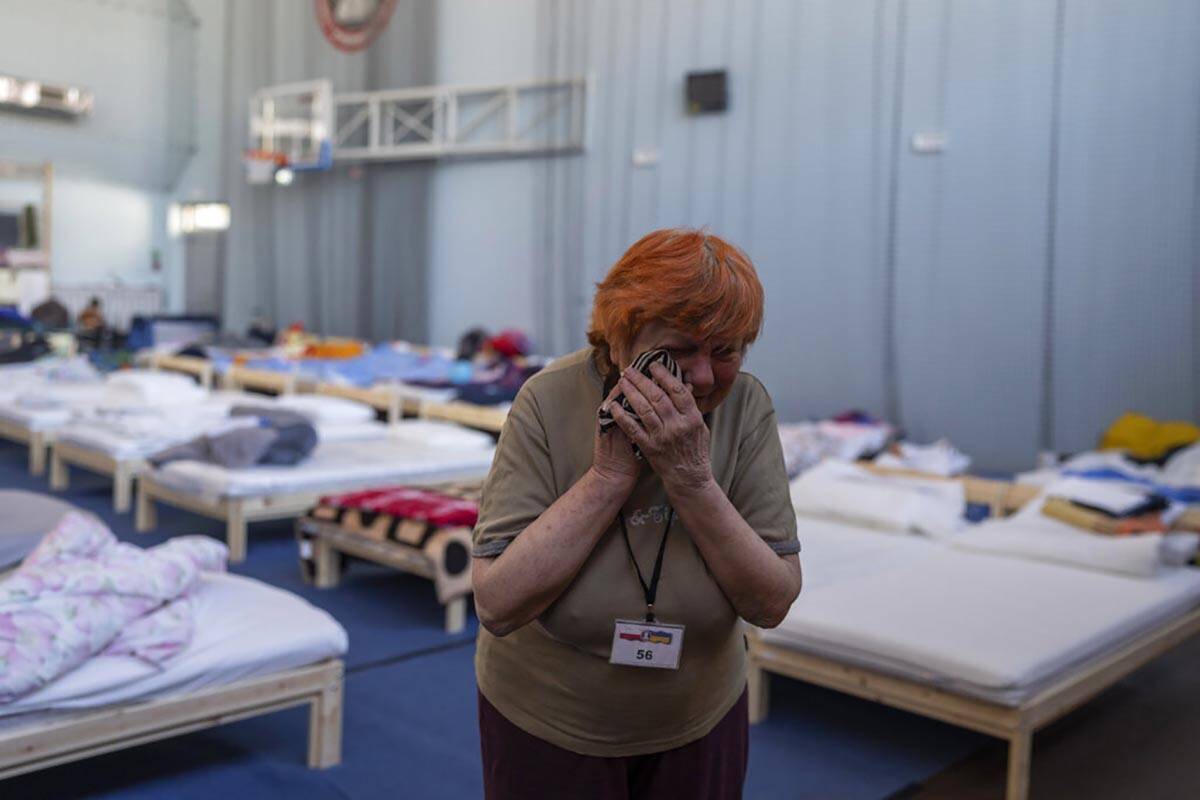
point(199, 217)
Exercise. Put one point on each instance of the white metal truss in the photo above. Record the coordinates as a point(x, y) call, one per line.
point(435, 121)
point(303, 119)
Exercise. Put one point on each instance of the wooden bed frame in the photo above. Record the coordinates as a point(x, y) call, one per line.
point(36, 441)
point(64, 455)
point(235, 512)
point(62, 738)
point(329, 541)
point(381, 398)
point(199, 368)
point(473, 415)
point(1015, 724)
point(261, 380)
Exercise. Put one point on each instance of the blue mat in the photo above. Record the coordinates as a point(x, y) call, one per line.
point(410, 716)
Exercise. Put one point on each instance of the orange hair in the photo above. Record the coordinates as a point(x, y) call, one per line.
point(693, 281)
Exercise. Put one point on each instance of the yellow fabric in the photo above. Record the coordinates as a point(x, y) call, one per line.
point(1146, 438)
point(335, 349)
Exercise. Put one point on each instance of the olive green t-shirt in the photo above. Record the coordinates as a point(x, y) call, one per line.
point(552, 677)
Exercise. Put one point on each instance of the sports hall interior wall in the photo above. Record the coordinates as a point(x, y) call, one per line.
point(1036, 278)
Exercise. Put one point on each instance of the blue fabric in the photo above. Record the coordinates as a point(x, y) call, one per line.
point(379, 365)
point(410, 725)
point(1188, 495)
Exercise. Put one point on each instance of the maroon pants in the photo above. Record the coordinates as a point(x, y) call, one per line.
point(519, 765)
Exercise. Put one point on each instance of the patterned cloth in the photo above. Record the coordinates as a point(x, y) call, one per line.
point(81, 593)
point(444, 508)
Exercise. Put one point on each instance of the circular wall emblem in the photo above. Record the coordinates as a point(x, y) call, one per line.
point(352, 25)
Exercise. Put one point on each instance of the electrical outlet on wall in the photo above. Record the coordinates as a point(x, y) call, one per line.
point(645, 157)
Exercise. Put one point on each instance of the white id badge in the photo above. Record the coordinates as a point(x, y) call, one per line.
point(637, 643)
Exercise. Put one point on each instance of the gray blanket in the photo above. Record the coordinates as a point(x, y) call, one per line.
point(282, 438)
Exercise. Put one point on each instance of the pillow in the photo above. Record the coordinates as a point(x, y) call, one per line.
point(434, 433)
point(27, 517)
point(142, 386)
point(324, 410)
point(845, 492)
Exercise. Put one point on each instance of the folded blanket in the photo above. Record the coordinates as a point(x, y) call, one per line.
point(836, 490)
point(81, 593)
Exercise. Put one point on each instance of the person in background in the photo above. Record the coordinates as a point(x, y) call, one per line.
point(613, 565)
point(91, 319)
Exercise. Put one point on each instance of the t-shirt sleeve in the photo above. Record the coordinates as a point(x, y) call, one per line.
point(520, 485)
point(760, 486)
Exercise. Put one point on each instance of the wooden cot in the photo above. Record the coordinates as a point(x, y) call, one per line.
point(1015, 724)
point(60, 738)
point(325, 543)
point(199, 368)
point(261, 380)
point(122, 471)
point(37, 442)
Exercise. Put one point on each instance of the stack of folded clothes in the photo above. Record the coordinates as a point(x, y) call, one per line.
point(1116, 508)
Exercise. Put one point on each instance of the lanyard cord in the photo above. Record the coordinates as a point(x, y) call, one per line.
point(650, 591)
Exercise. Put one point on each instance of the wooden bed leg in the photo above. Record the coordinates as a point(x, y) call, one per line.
point(60, 473)
point(456, 615)
point(326, 574)
point(235, 533)
point(122, 489)
point(325, 728)
point(37, 453)
point(1020, 749)
point(758, 686)
point(145, 517)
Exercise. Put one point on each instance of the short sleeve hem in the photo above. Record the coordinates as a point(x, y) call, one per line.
point(491, 548)
point(785, 548)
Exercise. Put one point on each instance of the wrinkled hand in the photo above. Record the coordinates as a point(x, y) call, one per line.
point(613, 458)
point(672, 435)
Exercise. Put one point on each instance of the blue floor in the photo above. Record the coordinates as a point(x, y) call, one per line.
point(410, 705)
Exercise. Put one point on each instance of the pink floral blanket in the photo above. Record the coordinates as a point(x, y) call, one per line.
point(81, 593)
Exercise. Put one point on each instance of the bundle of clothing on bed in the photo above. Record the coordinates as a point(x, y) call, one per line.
point(856, 435)
point(81, 593)
point(934, 509)
point(250, 435)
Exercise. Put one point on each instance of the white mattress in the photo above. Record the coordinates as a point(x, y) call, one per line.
point(333, 466)
point(983, 625)
point(244, 629)
point(35, 419)
point(122, 445)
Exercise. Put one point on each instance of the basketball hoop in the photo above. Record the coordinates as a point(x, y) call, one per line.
point(261, 165)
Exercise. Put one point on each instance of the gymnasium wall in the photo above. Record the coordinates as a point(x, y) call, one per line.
point(1013, 292)
point(343, 251)
point(117, 167)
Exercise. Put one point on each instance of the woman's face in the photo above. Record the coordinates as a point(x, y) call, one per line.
point(709, 366)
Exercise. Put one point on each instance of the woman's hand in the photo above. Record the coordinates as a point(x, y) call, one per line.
point(672, 434)
point(613, 459)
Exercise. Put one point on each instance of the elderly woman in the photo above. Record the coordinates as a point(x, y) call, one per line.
point(611, 567)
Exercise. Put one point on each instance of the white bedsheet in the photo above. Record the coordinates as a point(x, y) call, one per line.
point(333, 466)
point(993, 627)
point(244, 629)
point(120, 442)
